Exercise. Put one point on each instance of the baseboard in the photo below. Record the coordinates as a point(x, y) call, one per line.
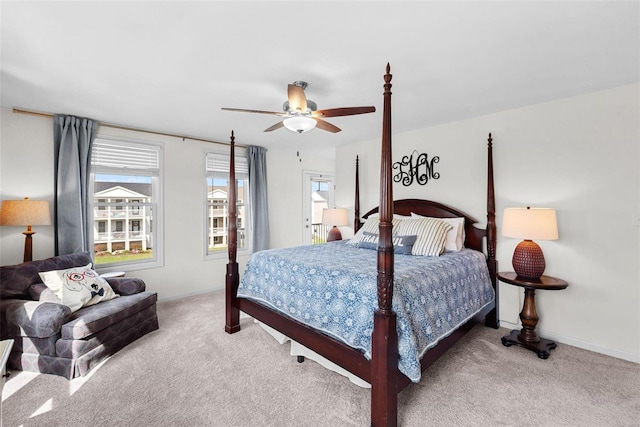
point(631, 357)
point(186, 295)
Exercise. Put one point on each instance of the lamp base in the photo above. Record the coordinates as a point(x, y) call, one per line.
point(528, 260)
point(28, 244)
point(334, 234)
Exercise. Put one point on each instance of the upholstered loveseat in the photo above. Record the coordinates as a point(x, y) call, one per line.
point(50, 337)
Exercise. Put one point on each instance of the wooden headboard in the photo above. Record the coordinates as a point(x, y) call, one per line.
point(474, 236)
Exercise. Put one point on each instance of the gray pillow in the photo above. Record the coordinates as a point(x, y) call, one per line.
point(401, 244)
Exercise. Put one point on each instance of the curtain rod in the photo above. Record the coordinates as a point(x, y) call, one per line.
point(115, 126)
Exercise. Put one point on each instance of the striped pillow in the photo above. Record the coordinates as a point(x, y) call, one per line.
point(431, 232)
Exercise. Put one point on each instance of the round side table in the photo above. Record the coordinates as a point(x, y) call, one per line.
point(526, 337)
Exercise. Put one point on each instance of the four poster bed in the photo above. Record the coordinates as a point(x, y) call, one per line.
point(345, 308)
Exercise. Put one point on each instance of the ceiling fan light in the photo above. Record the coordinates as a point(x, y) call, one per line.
point(299, 124)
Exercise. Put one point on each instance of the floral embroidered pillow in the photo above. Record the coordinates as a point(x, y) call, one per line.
point(78, 287)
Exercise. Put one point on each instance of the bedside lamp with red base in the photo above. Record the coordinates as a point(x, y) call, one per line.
point(529, 224)
point(333, 218)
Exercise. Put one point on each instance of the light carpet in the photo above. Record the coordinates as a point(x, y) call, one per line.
point(191, 373)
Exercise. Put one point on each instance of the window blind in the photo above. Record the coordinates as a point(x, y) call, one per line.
point(219, 164)
point(141, 158)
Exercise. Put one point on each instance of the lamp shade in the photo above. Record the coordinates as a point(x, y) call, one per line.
point(25, 212)
point(299, 124)
point(530, 223)
point(337, 216)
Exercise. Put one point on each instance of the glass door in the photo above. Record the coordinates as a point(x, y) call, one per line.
point(319, 190)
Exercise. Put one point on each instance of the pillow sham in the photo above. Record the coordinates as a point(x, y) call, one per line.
point(431, 232)
point(401, 244)
point(455, 236)
point(371, 226)
point(78, 287)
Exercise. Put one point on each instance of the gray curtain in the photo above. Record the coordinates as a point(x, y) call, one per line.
point(72, 138)
point(257, 164)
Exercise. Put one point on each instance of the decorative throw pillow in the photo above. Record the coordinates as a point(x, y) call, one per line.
point(455, 236)
point(401, 244)
point(78, 287)
point(370, 226)
point(431, 232)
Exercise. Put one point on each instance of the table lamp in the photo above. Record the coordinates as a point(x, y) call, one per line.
point(529, 224)
point(334, 217)
point(25, 212)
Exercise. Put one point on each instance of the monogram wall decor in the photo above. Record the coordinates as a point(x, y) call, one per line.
point(416, 167)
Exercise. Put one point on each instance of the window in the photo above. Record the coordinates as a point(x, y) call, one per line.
point(217, 173)
point(127, 208)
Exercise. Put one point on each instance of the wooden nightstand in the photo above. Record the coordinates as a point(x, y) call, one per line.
point(527, 337)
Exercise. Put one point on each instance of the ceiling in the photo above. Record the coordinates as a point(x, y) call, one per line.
point(170, 66)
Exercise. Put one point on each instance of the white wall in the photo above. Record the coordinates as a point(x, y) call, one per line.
point(285, 169)
point(578, 155)
point(26, 160)
point(26, 169)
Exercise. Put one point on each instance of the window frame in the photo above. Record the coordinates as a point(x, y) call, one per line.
point(156, 205)
point(242, 159)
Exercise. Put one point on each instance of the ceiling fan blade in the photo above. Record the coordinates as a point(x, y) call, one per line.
point(274, 127)
point(346, 111)
point(327, 126)
point(242, 110)
point(297, 100)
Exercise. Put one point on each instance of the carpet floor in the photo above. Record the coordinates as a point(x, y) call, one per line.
point(191, 373)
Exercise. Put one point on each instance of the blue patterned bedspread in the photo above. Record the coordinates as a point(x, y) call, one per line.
point(332, 287)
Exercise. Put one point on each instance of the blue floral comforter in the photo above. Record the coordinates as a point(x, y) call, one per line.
point(332, 287)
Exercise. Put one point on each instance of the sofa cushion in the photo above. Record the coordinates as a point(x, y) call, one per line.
point(127, 285)
point(33, 318)
point(72, 349)
point(40, 292)
point(90, 320)
point(33, 345)
point(15, 280)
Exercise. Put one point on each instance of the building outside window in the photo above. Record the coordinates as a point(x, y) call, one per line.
point(126, 180)
point(217, 176)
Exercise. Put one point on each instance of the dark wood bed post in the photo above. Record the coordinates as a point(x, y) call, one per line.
point(356, 206)
point(491, 319)
point(232, 279)
point(384, 350)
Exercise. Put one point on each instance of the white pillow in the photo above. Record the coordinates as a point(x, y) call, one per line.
point(78, 287)
point(455, 236)
point(431, 232)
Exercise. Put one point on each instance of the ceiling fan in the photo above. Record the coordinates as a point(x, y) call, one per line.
point(302, 115)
